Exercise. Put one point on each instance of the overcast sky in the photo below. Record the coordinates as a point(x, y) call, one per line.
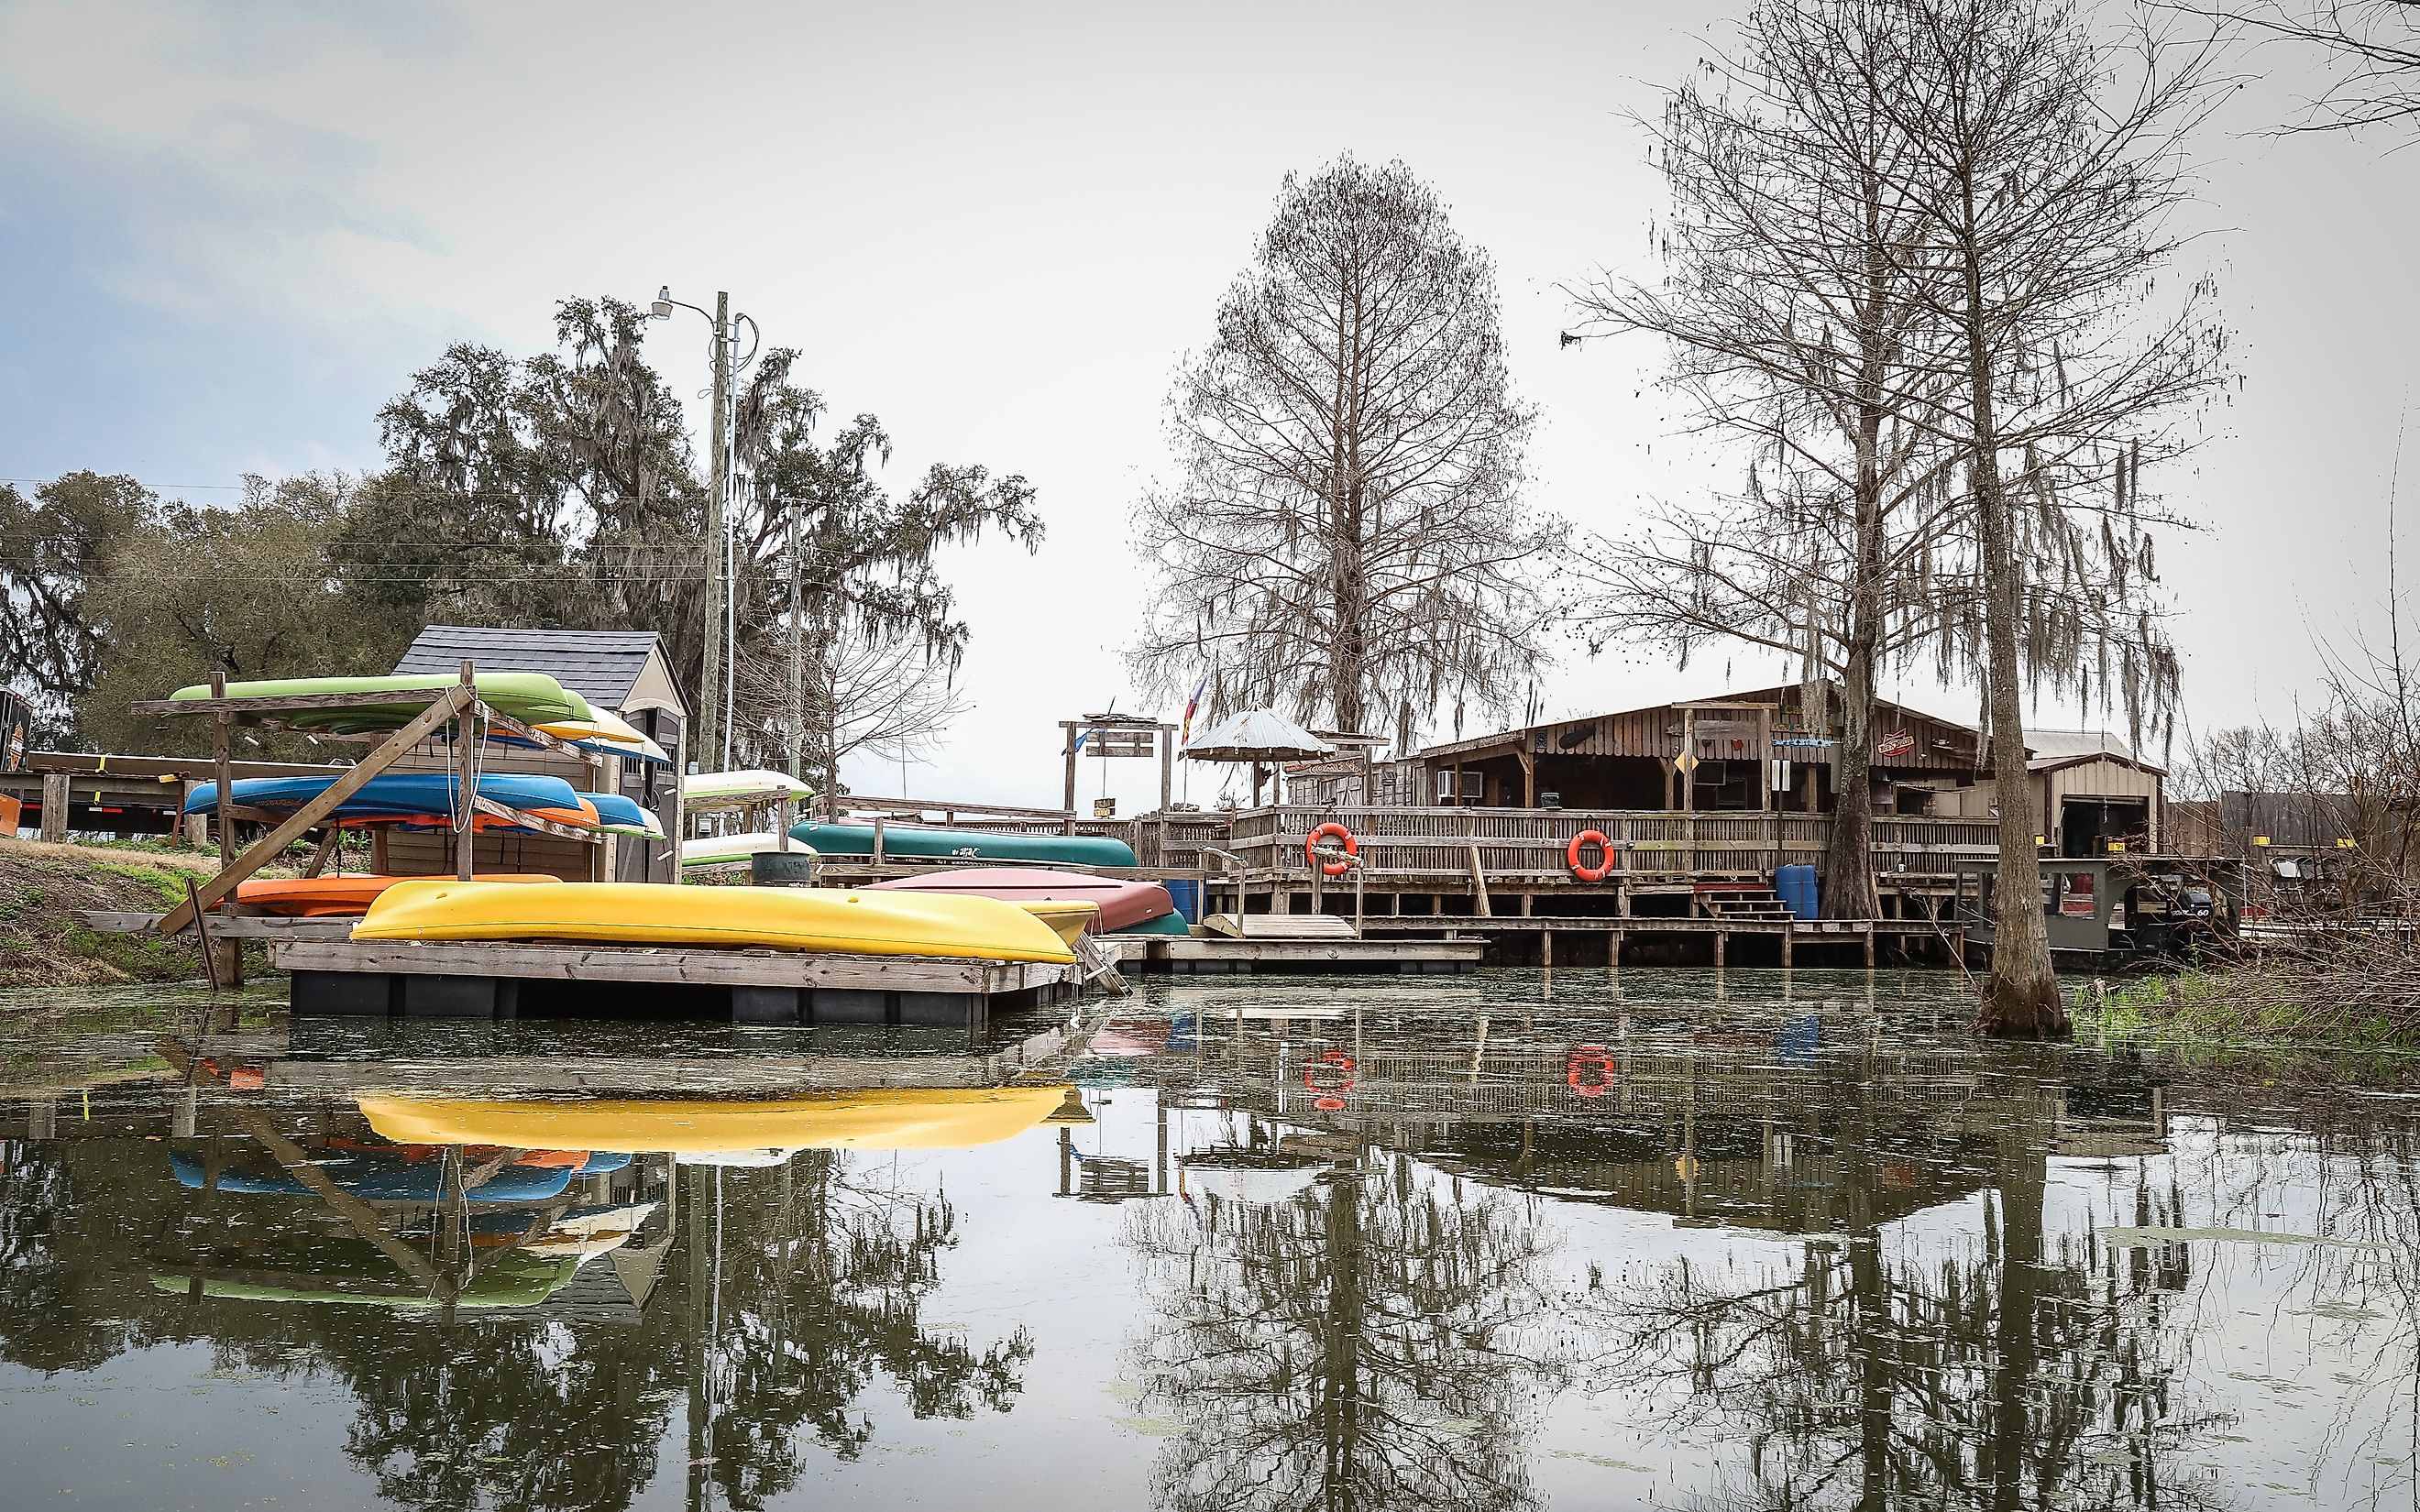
point(230, 232)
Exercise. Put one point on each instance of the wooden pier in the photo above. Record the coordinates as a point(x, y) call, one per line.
point(1209, 956)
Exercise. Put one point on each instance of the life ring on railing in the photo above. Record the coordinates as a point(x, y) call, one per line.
point(1330, 830)
point(1331, 1092)
point(1580, 841)
point(1594, 1057)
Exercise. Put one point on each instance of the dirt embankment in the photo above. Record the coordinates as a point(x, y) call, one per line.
point(46, 889)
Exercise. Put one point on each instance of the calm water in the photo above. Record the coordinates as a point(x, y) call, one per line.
point(1332, 1244)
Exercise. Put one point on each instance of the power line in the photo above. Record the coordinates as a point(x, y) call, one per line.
point(231, 487)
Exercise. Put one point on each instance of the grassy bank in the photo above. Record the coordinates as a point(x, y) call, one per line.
point(46, 889)
point(2294, 1004)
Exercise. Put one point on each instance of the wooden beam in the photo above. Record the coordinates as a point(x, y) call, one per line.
point(327, 846)
point(482, 804)
point(466, 787)
point(571, 961)
point(222, 774)
point(448, 706)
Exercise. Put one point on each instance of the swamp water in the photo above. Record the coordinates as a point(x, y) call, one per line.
point(1660, 1239)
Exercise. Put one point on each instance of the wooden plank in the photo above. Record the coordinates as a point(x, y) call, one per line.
point(446, 707)
point(595, 963)
point(530, 821)
point(226, 926)
point(1172, 948)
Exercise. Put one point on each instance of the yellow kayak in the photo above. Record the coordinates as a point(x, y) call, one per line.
point(1066, 916)
point(825, 919)
point(918, 1117)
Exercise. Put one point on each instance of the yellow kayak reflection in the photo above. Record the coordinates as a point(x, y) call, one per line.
point(917, 1118)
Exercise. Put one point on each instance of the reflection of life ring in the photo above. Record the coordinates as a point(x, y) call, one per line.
point(1332, 1093)
point(1581, 842)
point(1331, 831)
point(1593, 1058)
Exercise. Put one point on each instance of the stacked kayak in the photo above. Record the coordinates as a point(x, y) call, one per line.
point(337, 897)
point(708, 849)
point(391, 796)
point(532, 698)
point(733, 784)
point(825, 920)
point(965, 844)
point(1124, 906)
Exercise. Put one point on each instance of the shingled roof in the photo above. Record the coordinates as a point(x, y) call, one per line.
point(601, 666)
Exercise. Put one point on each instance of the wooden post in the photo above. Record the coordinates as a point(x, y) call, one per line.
point(1689, 777)
point(58, 793)
point(879, 821)
point(464, 788)
point(784, 815)
point(1788, 933)
point(1870, 947)
point(223, 771)
point(1765, 760)
point(1721, 936)
point(1528, 778)
point(1069, 805)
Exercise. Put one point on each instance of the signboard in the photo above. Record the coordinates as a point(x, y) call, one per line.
point(16, 732)
point(1892, 747)
point(1687, 763)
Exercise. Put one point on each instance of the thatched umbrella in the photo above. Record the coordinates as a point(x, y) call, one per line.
point(1260, 736)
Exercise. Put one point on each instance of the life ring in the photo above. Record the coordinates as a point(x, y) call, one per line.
point(1331, 1093)
point(1580, 841)
point(1591, 1057)
point(1325, 832)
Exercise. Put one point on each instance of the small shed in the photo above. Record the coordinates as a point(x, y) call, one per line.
point(625, 671)
point(2093, 793)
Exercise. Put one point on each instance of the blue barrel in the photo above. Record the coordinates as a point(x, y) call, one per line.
point(1186, 893)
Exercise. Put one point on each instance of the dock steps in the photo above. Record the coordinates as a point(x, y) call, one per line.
point(1280, 927)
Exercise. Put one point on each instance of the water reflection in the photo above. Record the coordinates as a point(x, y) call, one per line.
point(1338, 1245)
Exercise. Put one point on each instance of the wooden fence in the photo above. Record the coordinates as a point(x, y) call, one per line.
point(1529, 845)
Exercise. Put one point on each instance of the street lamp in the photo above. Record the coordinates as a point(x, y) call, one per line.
point(722, 608)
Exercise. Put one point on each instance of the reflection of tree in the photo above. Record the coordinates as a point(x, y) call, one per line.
point(1994, 1371)
point(60, 1307)
point(1376, 1341)
point(823, 1273)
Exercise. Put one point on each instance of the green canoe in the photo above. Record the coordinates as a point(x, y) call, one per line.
point(532, 698)
point(1164, 924)
point(965, 844)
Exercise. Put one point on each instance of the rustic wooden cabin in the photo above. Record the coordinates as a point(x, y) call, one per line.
point(1750, 752)
point(623, 670)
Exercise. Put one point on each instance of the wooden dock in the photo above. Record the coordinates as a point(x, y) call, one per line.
point(507, 978)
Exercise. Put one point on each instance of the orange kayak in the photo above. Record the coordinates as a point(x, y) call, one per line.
point(335, 897)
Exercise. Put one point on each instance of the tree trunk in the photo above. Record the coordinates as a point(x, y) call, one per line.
point(1849, 866)
point(2021, 994)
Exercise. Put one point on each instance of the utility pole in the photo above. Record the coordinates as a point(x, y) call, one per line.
point(798, 657)
point(713, 716)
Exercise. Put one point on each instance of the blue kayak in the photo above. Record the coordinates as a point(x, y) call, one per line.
point(391, 794)
point(925, 842)
point(384, 1180)
point(616, 812)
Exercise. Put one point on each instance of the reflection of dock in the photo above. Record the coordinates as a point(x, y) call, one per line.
point(1216, 956)
point(502, 979)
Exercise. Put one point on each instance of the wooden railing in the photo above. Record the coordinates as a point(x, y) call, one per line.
point(1528, 845)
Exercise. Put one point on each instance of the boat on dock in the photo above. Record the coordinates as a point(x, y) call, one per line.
point(1123, 904)
point(933, 844)
point(812, 919)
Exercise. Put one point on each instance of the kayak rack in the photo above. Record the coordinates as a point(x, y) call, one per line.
point(489, 980)
point(456, 704)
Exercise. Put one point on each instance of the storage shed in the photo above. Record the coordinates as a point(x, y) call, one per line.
point(624, 671)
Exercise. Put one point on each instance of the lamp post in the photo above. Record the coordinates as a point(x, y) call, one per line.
point(722, 608)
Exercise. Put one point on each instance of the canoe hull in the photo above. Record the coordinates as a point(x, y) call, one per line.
point(1123, 904)
point(811, 920)
point(924, 842)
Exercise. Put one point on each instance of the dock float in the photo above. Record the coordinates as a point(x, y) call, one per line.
point(1201, 956)
point(504, 980)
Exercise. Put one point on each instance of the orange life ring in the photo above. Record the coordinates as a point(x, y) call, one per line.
point(1594, 1057)
point(1581, 842)
point(1332, 1092)
point(1311, 848)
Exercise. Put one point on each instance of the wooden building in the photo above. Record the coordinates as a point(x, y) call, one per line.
point(1752, 752)
point(622, 671)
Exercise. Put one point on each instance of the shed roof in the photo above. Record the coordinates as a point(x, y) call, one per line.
point(601, 666)
point(1641, 731)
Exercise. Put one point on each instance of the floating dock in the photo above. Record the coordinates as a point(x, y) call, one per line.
point(429, 978)
point(1201, 956)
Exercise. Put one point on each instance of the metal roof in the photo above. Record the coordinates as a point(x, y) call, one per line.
point(601, 666)
point(2048, 745)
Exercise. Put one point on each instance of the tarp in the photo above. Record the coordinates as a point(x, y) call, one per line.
point(1256, 735)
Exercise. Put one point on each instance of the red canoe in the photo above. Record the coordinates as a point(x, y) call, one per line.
point(1123, 904)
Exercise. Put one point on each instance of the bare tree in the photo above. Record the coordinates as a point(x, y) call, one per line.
point(2048, 180)
point(1345, 535)
point(884, 696)
point(1789, 303)
point(2375, 45)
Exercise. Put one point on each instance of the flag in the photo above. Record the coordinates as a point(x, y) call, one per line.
point(1185, 734)
point(1081, 736)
